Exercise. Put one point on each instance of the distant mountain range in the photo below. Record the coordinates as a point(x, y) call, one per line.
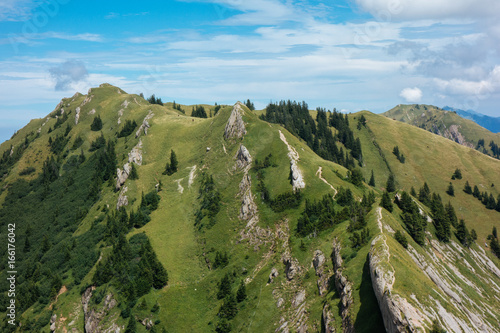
point(490, 123)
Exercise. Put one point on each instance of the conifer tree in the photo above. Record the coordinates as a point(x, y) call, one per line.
point(424, 195)
point(467, 188)
point(413, 192)
point(96, 124)
point(372, 180)
point(391, 183)
point(386, 202)
point(451, 190)
point(476, 192)
point(241, 294)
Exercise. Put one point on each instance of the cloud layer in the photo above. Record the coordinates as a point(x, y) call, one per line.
point(68, 73)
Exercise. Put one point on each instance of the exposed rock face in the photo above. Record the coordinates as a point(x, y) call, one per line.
point(274, 274)
point(92, 317)
point(299, 298)
point(293, 155)
point(393, 312)
point(344, 288)
point(243, 158)
point(323, 277)
point(328, 320)
point(53, 321)
point(87, 99)
point(145, 125)
point(91, 112)
point(248, 211)
point(292, 267)
point(135, 156)
point(122, 198)
point(454, 134)
point(77, 115)
point(122, 175)
point(235, 127)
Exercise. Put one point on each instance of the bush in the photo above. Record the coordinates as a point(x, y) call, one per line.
point(401, 239)
point(127, 129)
point(27, 171)
point(96, 124)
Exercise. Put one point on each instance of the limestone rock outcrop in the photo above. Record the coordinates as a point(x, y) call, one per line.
point(93, 317)
point(296, 173)
point(344, 288)
point(243, 158)
point(145, 125)
point(235, 127)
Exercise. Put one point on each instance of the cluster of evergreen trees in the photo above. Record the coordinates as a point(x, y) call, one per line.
point(12, 155)
point(172, 166)
point(321, 215)
point(133, 267)
point(295, 117)
point(149, 203)
point(96, 124)
point(488, 200)
point(398, 154)
point(495, 150)
point(229, 307)
point(177, 107)
point(127, 129)
point(415, 223)
point(250, 105)
point(444, 217)
point(154, 100)
point(494, 245)
point(210, 202)
point(199, 111)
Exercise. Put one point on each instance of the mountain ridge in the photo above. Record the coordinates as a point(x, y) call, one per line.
point(214, 225)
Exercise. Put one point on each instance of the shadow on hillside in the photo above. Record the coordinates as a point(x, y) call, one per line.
point(369, 318)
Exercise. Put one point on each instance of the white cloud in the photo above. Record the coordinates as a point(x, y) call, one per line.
point(430, 9)
point(411, 95)
point(35, 38)
point(68, 73)
point(16, 10)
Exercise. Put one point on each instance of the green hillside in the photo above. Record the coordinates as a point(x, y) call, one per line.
point(447, 124)
point(254, 229)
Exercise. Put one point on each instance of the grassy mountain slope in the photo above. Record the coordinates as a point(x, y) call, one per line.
point(445, 123)
point(432, 159)
point(490, 123)
point(323, 281)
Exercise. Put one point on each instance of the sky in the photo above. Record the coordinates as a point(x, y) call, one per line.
point(349, 54)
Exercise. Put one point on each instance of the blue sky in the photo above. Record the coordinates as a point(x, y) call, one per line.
point(350, 55)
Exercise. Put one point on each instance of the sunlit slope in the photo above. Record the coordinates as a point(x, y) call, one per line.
point(433, 159)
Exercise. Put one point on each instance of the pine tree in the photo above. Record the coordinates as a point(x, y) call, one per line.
point(463, 234)
point(96, 124)
point(372, 180)
point(241, 294)
point(401, 239)
point(173, 161)
point(451, 190)
point(224, 287)
point(476, 192)
point(391, 183)
point(386, 202)
point(491, 202)
point(467, 188)
point(131, 326)
point(229, 308)
point(413, 192)
point(424, 195)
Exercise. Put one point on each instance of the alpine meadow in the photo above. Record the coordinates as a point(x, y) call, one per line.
point(134, 214)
